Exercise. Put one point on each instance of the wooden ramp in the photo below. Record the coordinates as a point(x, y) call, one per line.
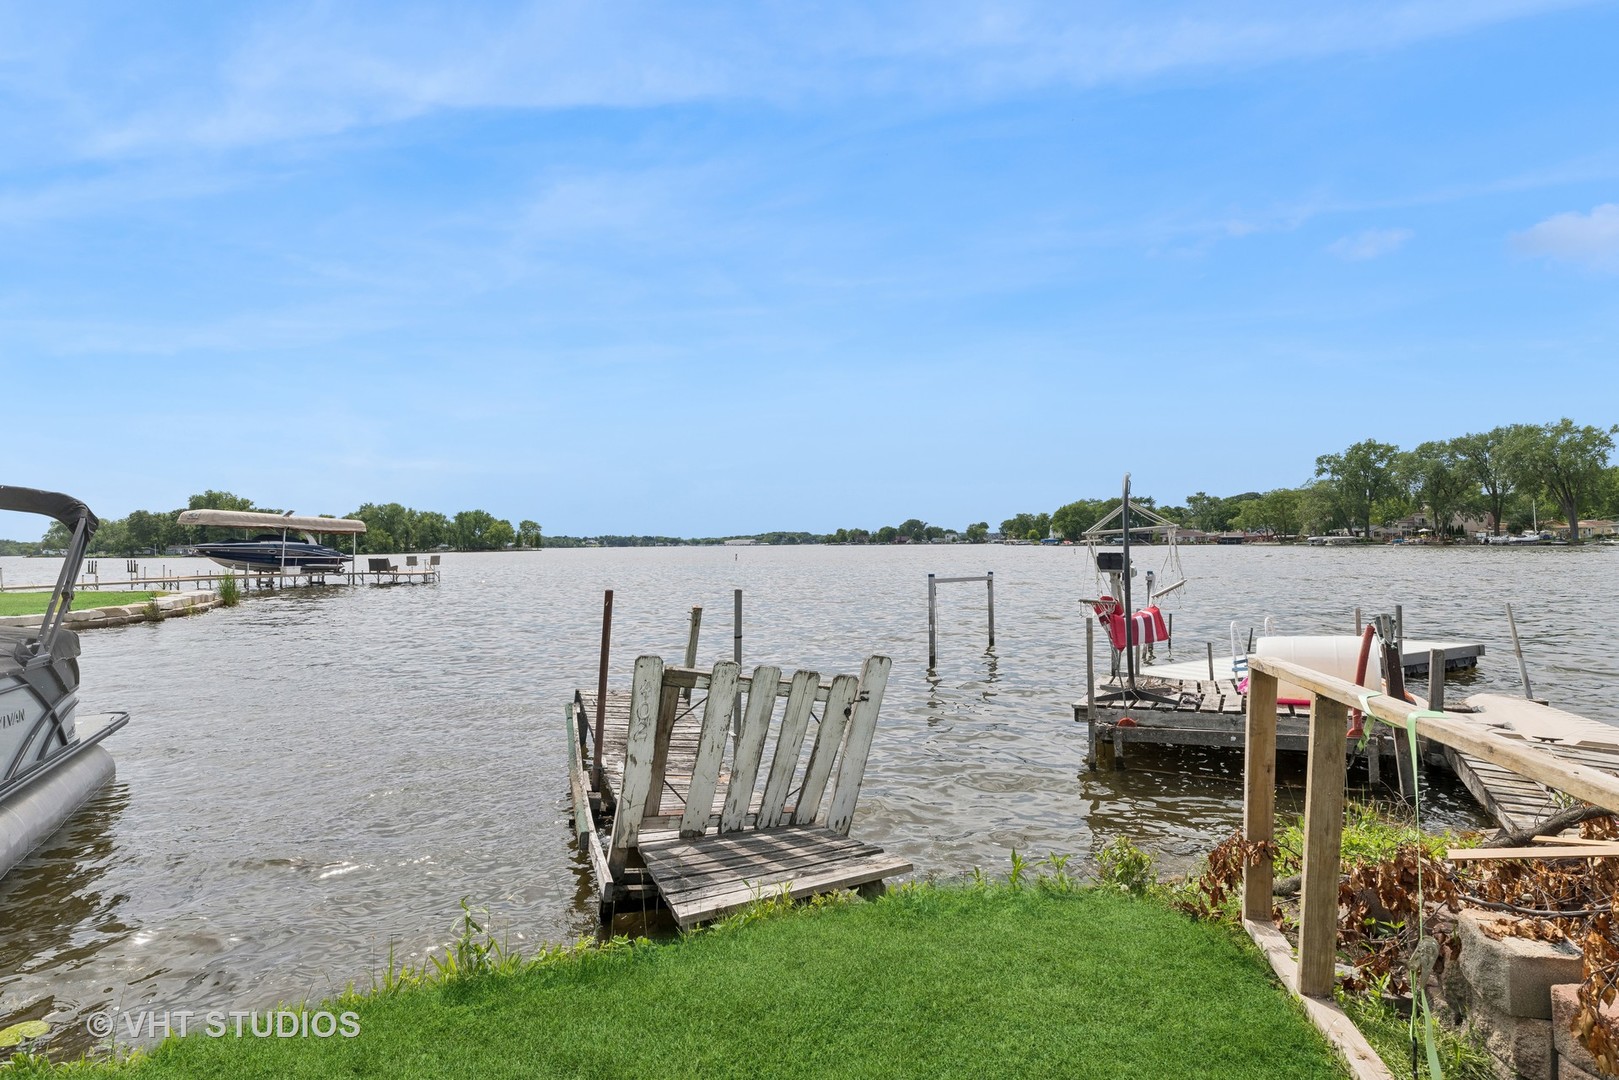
point(1517, 802)
point(675, 813)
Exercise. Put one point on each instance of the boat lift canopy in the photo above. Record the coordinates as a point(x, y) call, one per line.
point(253, 519)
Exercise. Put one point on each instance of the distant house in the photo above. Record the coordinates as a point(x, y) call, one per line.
point(1589, 529)
point(741, 541)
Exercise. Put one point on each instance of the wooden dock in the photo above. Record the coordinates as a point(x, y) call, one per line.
point(672, 816)
point(1515, 801)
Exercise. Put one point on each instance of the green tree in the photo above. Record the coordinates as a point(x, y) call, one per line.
point(1360, 477)
point(528, 533)
point(977, 532)
point(914, 529)
point(220, 500)
point(1566, 461)
point(1205, 512)
point(887, 534)
point(1439, 479)
point(144, 531)
point(1488, 458)
point(479, 530)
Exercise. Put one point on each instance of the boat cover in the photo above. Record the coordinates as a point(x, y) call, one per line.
point(65, 647)
point(64, 508)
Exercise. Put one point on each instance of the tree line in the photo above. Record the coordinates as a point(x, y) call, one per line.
point(390, 527)
point(1515, 474)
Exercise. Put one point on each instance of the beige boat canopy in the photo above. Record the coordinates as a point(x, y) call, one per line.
point(249, 519)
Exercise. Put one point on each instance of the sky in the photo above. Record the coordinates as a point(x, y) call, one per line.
point(709, 269)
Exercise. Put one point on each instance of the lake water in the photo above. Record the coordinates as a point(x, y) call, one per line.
point(313, 778)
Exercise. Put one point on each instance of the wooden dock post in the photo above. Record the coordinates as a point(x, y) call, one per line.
point(1436, 680)
point(1259, 793)
point(736, 655)
point(1523, 672)
point(1323, 840)
point(601, 688)
point(691, 643)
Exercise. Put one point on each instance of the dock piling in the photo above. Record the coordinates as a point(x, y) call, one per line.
point(1436, 679)
point(601, 685)
point(691, 643)
point(1523, 671)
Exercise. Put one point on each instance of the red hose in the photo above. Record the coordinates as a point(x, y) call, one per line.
point(1357, 726)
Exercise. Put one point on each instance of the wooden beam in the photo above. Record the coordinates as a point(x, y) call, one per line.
point(1259, 793)
point(749, 748)
point(1582, 782)
point(1364, 1062)
point(645, 691)
point(1323, 845)
point(716, 732)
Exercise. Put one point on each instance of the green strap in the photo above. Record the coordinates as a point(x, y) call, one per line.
point(1419, 994)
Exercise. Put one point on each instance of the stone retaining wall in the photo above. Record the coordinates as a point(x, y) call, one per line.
point(168, 607)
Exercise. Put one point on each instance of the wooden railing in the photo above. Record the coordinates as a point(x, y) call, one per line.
point(1311, 976)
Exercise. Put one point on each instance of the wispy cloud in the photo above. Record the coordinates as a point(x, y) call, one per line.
point(1591, 239)
point(325, 69)
point(1369, 244)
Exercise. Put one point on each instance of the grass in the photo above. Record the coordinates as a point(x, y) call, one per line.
point(33, 603)
point(926, 982)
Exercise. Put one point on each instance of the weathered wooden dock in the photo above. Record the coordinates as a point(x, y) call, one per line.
point(665, 801)
point(1517, 802)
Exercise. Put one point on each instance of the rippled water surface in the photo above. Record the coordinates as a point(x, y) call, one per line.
point(314, 777)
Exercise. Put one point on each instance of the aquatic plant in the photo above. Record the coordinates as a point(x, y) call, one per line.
point(1123, 865)
point(230, 594)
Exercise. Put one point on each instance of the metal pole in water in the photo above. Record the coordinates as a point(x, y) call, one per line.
point(1211, 660)
point(1523, 671)
point(601, 685)
point(990, 578)
point(933, 648)
point(1357, 622)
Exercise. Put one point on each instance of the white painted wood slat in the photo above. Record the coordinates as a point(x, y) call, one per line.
point(828, 741)
point(789, 743)
point(716, 732)
point(644, 699)
point(857, 747)
point(750, 747)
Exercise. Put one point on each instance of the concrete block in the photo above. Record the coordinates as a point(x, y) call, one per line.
point(1521, 1045)
point(1512, 976)
point(1565, 1005)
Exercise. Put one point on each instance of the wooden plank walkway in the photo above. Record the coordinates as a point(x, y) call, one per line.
point(1517, 802)
point(677, 770)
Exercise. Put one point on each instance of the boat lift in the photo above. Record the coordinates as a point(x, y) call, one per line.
point(285, 523)
point(1127, 627)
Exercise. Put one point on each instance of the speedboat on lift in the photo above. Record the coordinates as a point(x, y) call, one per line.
point(292, 550)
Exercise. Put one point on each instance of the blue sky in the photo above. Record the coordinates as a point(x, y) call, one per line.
point(702, 269)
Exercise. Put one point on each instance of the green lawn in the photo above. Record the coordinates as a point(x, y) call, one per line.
point(33, 603)
point(926, 982)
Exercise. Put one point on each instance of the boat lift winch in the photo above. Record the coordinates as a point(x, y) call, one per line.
point(1128, 629)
